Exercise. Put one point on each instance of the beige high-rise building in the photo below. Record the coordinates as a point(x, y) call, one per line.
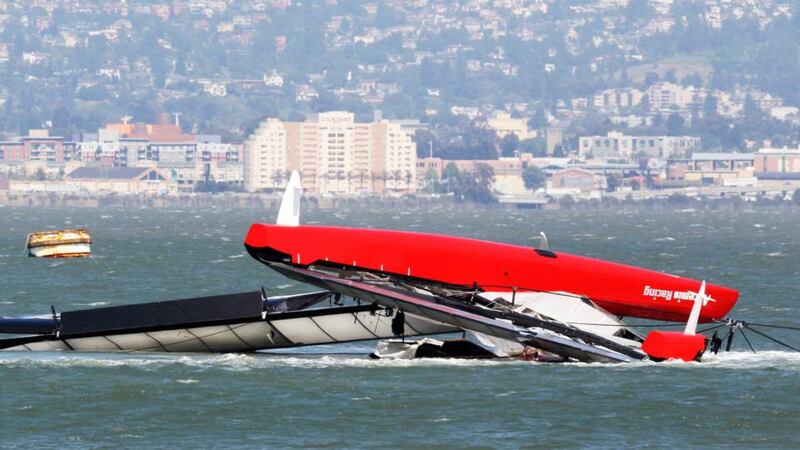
point(334, 154)
point(266, 157)
point(398, 160)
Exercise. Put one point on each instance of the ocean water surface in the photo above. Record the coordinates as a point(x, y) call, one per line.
point(337, 397)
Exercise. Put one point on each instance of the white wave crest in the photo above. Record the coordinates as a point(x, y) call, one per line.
point(244, 362)
point(230, 361)
point(91, 304)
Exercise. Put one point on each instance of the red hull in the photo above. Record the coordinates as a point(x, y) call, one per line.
point(620, 289)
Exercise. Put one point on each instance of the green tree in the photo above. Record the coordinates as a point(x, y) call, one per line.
point(533, 177)
point(567, 201)
point(509, 144)
point(426, 142)
point(614, 181)
point(477, 187)
point(670, 76)
point(675, 124)
point(538, 119)
point(96, 92)
point(638, 10)
point(651, 78)
point(751, 110)
point(451, 177)
point(536, 146)
point(432, 182)
point(710, 106)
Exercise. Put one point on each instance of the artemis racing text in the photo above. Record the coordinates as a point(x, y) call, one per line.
point(668, 295)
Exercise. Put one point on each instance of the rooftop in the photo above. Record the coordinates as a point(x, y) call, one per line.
point(702, 156)
point(107, 173)
point(786, 151)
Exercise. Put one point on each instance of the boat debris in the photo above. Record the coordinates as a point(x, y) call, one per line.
point(74, 243)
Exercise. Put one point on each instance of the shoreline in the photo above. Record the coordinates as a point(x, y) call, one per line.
point(272, 201)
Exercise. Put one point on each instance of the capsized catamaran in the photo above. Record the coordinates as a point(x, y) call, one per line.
point(506, 300)
point(512, 298)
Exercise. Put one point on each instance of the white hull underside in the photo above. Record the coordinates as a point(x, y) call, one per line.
point(62, 250)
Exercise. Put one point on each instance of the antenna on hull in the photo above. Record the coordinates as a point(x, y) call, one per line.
point(543, 245)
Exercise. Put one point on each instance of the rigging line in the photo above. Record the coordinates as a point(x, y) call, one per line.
point(200, 339)
point(711, 328)
point(365, 327)
point(748, 341)
point(785, 327)
point(114, 343)
point(728, 339)
point(323, 330)
point(184, 341)
point(527, 289)
point(160, 344)
point(773, 339)
point(624, 325)
point(409, 326)
point(250, 346)
point(277, 332)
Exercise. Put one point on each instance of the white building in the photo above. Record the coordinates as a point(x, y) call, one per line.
point(215, 89)
point(615, 145)
point(333, 153)
point(265, 155)
point(336, 151)
point(504, 124)
point(273, 79)
point(665, 96)
point(400, 160)
point(616, 99)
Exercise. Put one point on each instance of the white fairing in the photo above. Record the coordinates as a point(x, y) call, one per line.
point(400, 349)
point(289, 213)
point(568, 309)
point(502, 348)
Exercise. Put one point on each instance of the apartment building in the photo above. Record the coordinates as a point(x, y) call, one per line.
point(665, 96)
point(265, 156)
point(616, 99)
point(333, 153)
point(616, 144)
point(777, 163)
point(38, 145)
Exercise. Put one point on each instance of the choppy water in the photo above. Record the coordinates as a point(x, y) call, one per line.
point(346, 400)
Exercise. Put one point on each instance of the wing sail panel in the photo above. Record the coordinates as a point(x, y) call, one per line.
point(426, 306)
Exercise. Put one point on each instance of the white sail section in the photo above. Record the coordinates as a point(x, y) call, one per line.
point(700, 300)
point(289, 213)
